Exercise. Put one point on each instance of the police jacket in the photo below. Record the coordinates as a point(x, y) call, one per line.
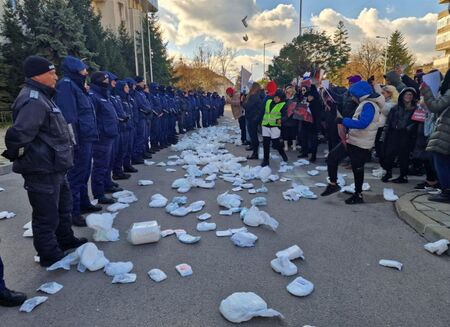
point(39, 142)
point(144, 109)
point(75, 104)
point(107, 120)
point(121, 115)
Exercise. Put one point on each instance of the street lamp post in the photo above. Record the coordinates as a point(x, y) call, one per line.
point(264, 56)
point(150, 52)
point(300, 18)
point(385, 51)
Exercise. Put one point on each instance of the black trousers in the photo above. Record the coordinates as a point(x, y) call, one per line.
point(358, 157)
point(242, 126)
point(2, 282)
point(51, 201)
point(253, 132)
point(398, 143)
point(276, 145)
point(309, 138)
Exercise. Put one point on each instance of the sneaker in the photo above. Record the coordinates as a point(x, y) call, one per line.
point(331, 189)
point(356, 198)
point(9, 298)
point(79, 221)
point(75, 243)
point(443, 197)
point(425, 186)
point(400, 180)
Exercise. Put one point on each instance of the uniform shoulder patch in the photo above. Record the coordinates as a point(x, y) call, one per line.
point(34, 94)
point(65, 79)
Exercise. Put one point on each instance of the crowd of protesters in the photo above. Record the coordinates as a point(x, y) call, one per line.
point(399, 124)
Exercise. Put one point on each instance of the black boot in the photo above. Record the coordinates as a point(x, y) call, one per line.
point(113, 189)
point(331, 188)
point(9, 298)
point(253, 156)
point(75, 243)
point(106, 200)
point(130, 169)
point(79, 221)
point(90, 209)
point(121, 176)
point(386, 178)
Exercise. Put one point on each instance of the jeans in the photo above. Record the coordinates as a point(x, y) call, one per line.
point(442, 165)
point(358, 157)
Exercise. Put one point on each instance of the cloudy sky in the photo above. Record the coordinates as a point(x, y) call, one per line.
point(190, 23)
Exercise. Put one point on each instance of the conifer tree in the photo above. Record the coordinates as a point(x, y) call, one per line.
point(343, 48)
point(398, 52)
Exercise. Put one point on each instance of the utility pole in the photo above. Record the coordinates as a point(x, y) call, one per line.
point(300, 18)
point(143, 51)
point(136, 63)
point(150, 49)
point(264, 56)
point(385, 51)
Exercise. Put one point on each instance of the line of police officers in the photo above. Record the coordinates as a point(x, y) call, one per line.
point(66, 132)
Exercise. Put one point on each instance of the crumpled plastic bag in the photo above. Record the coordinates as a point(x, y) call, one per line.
point(122, 194)
point(145, 182)
point(158, 201)
point(292, 252)
point(300, 287)
point(184, 269)
point(28, 233)
point(124, 279)
point(102, 226)
point(117, 207)
point(297, 192)
point(284, 266)
point(181, 211)
point(438, 247)
point(182, 185)
point(351, 188)
point(204, 216)
point(229, 201)
point(206, 227)
point(180, 200)
point(262, 189)
point(157, 275)
point(255, 217)
point(128, 199)
point(7, 215)
point(244, 239)
point(149, 162)
point(211, 178)
point(32, 303)
point(90, 257)
point(391, 264)
point(243, 306)
point(389, 195)
point(188, 239)
point(118, 268)
point(259, 201)
point(50, 288)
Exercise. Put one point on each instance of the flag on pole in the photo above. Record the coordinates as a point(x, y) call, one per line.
point(245, 77)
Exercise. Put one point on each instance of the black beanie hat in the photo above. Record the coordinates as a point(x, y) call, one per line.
point(139, 79)
point(36, 65)
point(279, 93)
point(98, 78)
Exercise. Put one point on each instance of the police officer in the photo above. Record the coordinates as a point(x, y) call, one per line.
point(41, 146)
point(9, 298)
point(76, 106)
point(155, 103)
point(123, 90)
point(107, 124)
point(143, 110)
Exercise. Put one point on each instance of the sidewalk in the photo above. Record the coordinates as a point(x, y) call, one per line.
point(429, 219)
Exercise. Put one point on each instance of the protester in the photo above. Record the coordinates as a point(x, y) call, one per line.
point(77, 108)
point(275, 109)
point(40, 144)
point(399, 135)
point(236, 109)
point(254, 107)
point(289, 125)
point(360, 139)
point(391, 98)
point(439, 141)
point(330, 115)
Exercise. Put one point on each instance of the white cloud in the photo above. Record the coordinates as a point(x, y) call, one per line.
point(390, 9)
point(419, 32)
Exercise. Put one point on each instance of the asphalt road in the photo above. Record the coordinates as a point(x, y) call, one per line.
point(342, 245)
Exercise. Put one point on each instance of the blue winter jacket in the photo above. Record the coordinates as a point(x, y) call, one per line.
point(359, 90)
point(107, 120)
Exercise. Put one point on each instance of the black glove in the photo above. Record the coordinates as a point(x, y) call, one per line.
point(339, 120)
point(8, 156)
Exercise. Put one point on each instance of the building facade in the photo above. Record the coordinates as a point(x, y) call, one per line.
point(443, 38)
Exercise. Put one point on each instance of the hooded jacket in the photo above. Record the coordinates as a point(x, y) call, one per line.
point(363, 126)
point(74, 102)
point(394, 79)
point(399, 118)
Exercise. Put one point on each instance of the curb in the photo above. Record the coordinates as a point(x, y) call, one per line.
point(5, 169)
point(425, 226)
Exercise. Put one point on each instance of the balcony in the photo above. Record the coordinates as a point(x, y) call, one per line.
point(443, 46)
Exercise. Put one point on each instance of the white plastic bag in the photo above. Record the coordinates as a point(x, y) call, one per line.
point(255, 217)
point(293, 252)
point(240, 307)
point(50, 288)
point(102, 226)
point(122, 194)
point(127, 199)
point(144, 232)
point(206, 227)
point(259, 201)
point(188, 239)
point(124, 279)
point(229, 201)
point(300, 287)
point(118, 268)
point(7, 215)
point(32, 303)
point(284, 266)
point(438, 247)
point(181, 211)
point(184, 269)
point(389, 195)
point(91, 257)
point(196, 206)
point(391, 264)
point(117, 206)
point(144, 182)
point(204, 216)
point(244, 239)
point(158, 201)
point(157, 275)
